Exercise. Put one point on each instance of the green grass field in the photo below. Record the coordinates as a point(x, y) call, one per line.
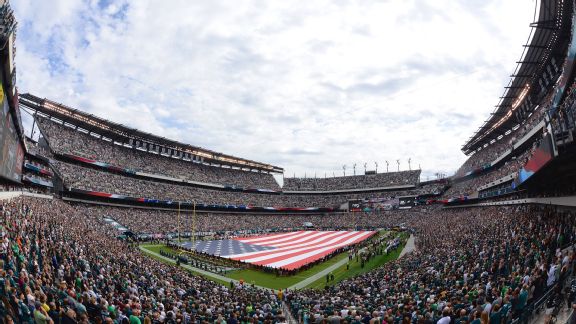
point(158, 247)
point(355, 268)
point(270, 280)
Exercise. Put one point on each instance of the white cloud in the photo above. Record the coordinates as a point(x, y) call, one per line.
point(309, 86)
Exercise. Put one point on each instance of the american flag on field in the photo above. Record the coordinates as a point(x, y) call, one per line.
point(285, 250)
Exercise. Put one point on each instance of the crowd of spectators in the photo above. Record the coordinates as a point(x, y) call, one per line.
point(471, 185)
point(470, 266)
point(7, 186)
point(65, 140)
point(37, 173)
point(58, 265)
point(36, 178)
point(148, 221)
point(33, 148)
point(379, 180)
point(565, 118)
point(78, 177)
point(490, 153)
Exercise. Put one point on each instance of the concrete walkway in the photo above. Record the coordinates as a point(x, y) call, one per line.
point(191, 268)
point(409, 247)
point(321, 274)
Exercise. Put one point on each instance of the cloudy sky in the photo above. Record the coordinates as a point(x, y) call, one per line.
point(305, 85)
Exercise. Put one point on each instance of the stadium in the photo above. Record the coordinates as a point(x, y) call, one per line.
point(106, 223)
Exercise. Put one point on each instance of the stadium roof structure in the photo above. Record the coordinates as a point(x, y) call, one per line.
point(539, 60)
point(124, 134)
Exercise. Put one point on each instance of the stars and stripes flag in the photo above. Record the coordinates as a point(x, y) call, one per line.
point(283, 250)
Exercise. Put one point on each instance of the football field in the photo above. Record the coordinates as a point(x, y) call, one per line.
point(288, 251)
point(313, 276)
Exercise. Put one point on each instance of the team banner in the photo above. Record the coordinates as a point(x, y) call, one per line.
point(103, 165)
point(32, 167)
point(201, 206)
point(543, 154)
point(127, 171)
point(237, 188)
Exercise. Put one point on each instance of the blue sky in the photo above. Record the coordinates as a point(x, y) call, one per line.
point(309, 86)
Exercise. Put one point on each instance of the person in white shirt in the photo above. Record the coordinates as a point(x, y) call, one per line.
point(551, 275)
point(445, 316)
point(565, 260)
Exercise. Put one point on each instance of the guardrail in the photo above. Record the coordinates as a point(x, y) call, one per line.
point(536, 307)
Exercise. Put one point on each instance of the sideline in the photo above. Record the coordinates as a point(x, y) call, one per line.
point(144, 249)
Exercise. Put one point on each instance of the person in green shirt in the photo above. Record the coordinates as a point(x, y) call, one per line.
point(40, 315)
point(134, 319)
point(135, 316)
